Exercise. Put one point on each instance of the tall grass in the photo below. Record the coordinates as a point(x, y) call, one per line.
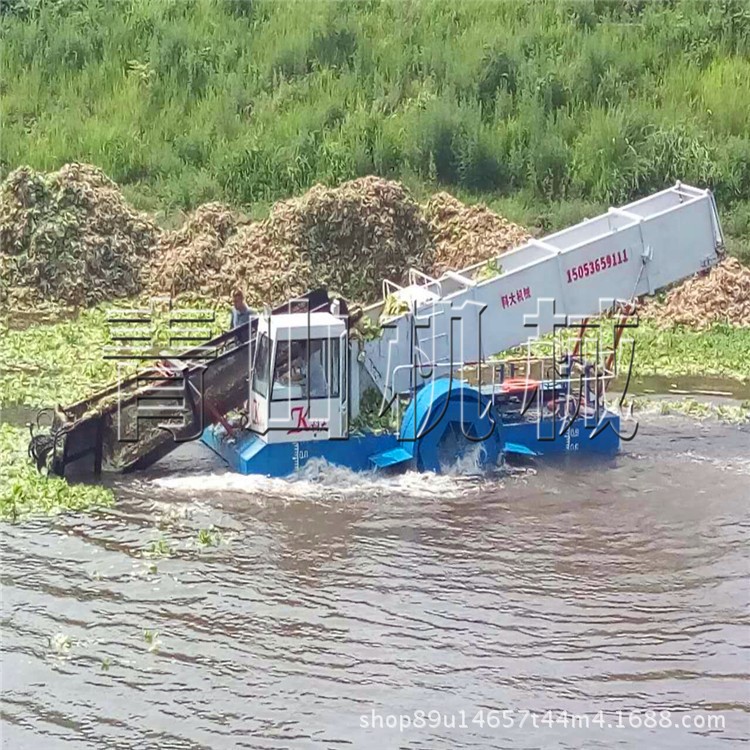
point(249, 100)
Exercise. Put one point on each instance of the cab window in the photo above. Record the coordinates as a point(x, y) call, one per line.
point(262, 366)
point(303, 370)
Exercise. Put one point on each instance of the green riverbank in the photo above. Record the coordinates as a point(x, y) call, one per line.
point(549, 110)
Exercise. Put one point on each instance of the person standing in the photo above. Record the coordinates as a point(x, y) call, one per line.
point(241, 315)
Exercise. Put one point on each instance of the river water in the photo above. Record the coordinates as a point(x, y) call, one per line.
point(328, 605)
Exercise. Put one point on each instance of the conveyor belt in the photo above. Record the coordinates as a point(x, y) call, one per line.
point(120, 428)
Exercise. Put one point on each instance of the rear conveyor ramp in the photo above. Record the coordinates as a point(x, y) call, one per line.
point(579, 272)
point(120, 427)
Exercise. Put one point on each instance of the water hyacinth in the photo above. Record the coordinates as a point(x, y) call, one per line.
point(210, 537)
point(65, 361)
point(24, 491)
point(151, 638)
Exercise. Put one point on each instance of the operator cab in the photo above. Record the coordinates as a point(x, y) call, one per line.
point(298, 383)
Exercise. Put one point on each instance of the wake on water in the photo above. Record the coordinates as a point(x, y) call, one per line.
point(320, 480)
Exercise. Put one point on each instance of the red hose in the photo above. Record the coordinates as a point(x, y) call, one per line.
point(519, 385)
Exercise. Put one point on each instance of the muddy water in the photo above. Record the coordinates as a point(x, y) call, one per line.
point(337, 599)
point(689, 385)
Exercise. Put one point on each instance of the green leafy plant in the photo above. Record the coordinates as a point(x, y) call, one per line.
point(370, 417)
point(489, 270)
point(61, 644)
point(151, 637)
point(366, 329)
point(210, 537)
point(648, 350)
point(731, 414)
point(24, 491)
point(159, 548)
point(393, 307)
point(64, 361)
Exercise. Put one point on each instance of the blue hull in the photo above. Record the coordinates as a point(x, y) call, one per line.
point(545, 440)
point(249, 454)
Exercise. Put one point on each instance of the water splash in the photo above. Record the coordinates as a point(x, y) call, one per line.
point(322, 480)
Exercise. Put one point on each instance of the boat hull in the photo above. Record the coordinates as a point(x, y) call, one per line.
point(247, 453)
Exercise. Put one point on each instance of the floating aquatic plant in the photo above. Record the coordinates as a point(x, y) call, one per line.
point(151, 637)
point(24, 491)
point(61, 644)
point(210, 537)
point(159, 548)
point(691, 407)
point(645, 349)
point(371, 416)
point(65, 361)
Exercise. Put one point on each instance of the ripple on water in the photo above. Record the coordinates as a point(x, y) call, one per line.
point(320, 600)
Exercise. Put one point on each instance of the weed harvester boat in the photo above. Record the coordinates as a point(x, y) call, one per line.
point(309, 372)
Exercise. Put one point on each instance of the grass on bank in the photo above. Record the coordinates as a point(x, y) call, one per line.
point(545, 108)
